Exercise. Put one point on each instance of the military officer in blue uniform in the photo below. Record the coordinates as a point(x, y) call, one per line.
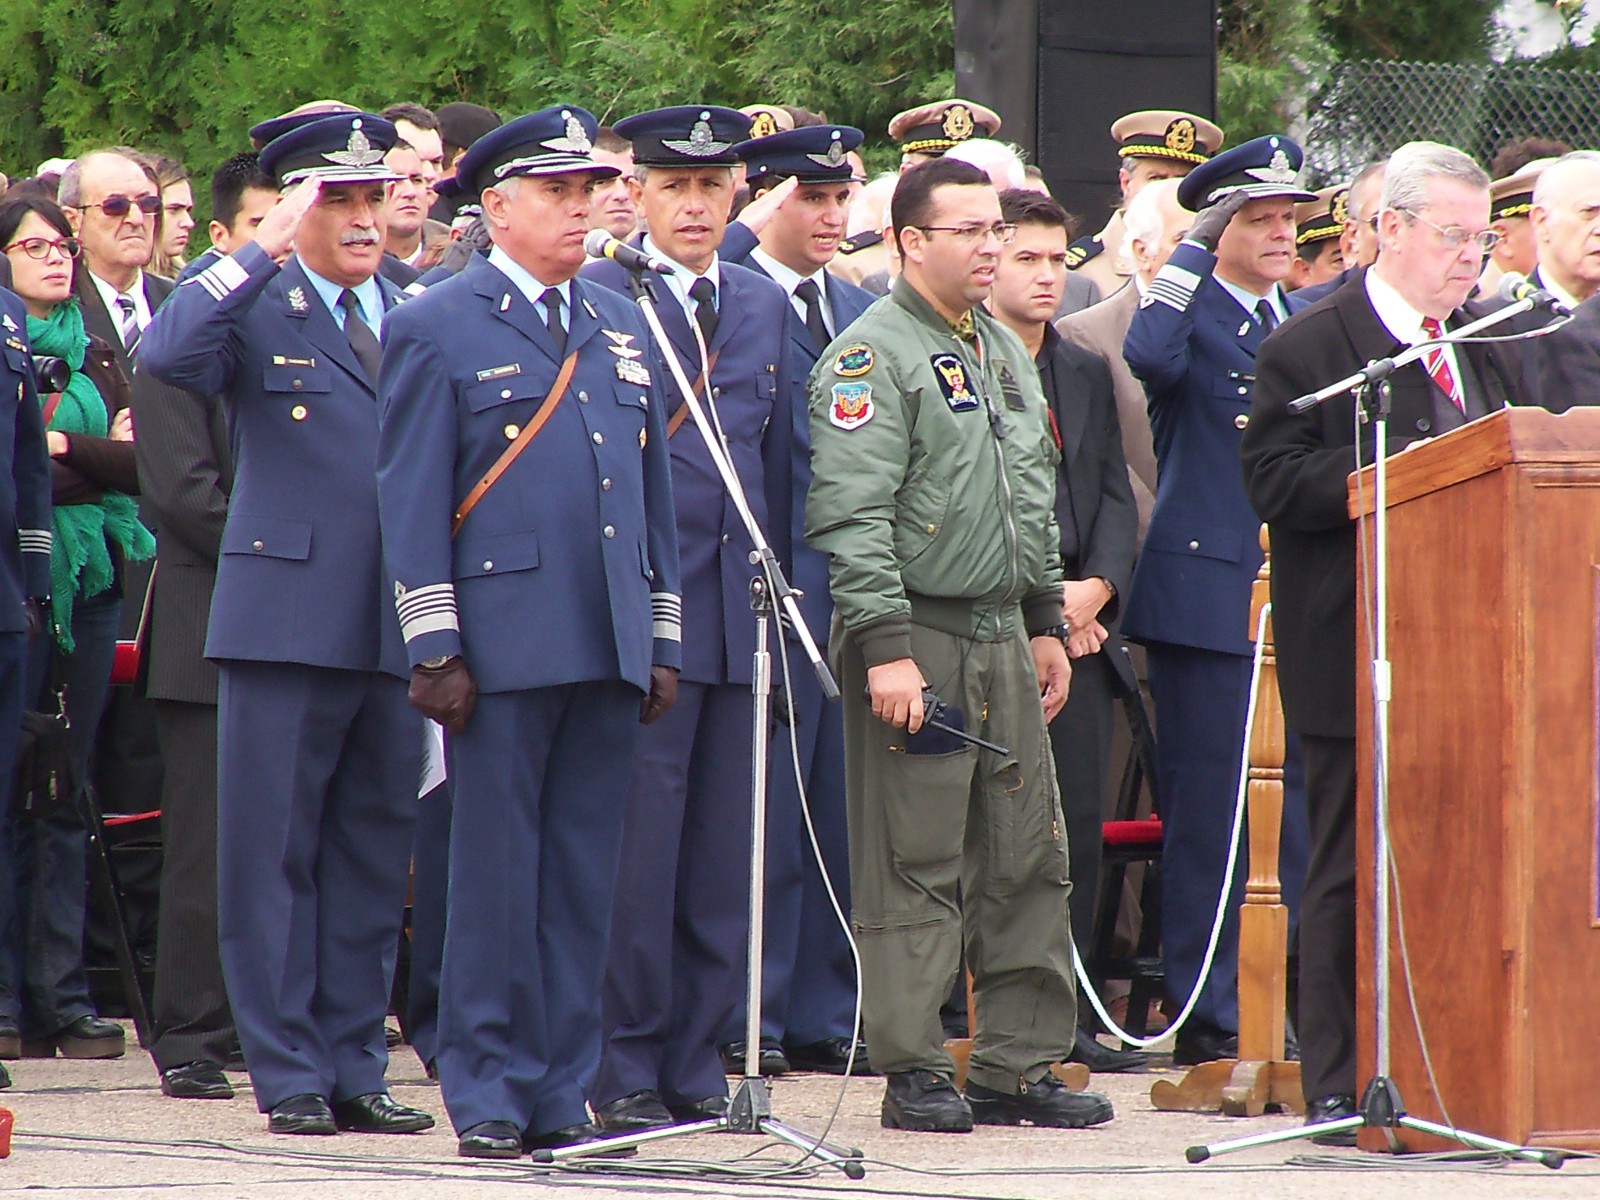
point(808, 976)
point(318, 749)
point(24, 555)
point(1193, 344)
point(528, 527)
point(677, 958)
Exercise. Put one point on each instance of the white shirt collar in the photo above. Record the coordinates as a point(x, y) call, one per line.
point(368, 295)
point(1393, 309)
point(525, 280)
point(1555, 289)
point(109, 294)
point(1248, 299)
point(785, 278)
point(682, 277)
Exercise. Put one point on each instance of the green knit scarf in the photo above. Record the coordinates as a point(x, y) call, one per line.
point(80, 562)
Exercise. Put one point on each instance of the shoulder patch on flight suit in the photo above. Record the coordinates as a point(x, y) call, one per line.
point(1011, 390)
point(1082, 250)
point(852, 405)
point(952, 373)
point(853, 361)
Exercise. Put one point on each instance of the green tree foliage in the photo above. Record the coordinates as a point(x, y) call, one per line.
point(190, 76)
point(1438, 31)
point(1268, 53)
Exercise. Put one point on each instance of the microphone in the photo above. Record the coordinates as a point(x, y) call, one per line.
point(1516, 287)
point(600, 244)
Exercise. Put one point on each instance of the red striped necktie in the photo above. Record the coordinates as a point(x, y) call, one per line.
point(1439, 365)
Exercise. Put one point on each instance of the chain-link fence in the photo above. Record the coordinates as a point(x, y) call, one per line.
point(1365, 110)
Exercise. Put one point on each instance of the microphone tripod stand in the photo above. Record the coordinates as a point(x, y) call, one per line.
point(1381, 1105)
point(750, 1106)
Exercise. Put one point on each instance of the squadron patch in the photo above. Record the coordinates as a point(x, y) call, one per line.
point(952, 373)
point(852, 405)
point(633, 372)
point(853, 361)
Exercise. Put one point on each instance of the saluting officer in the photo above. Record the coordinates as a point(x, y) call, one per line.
point(808, 975)
point(317, 748)
point(527, 516)
point(1193, 344)
point(678, 935)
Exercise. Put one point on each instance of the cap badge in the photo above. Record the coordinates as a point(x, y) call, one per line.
point(958, 124)
point(834, 156)
point(701, 142)
point(1277, 170)
point(1340, 211)
point(358, 151)
point(763, 124)
point(1181, 136)
point(573, 140)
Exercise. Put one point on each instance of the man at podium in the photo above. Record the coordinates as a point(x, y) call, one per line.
point(1433, 230)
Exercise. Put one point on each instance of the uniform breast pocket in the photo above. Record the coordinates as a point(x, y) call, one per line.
point(485, 394)
point(767, 384)
point(296, 378)
point(1235, 386)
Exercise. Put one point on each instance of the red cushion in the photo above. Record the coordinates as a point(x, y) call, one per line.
point(125, 664)
point(129, 818)
point(1132, 833)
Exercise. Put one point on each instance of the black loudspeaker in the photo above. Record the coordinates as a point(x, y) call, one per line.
point(1092, 61)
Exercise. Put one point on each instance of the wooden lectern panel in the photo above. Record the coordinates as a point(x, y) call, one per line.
point(1494, 606)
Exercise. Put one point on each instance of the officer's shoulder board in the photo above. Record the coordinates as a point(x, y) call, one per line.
point(861, 241)
point(1083, 250)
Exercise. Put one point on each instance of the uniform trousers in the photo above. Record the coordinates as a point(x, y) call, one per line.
point(1327, 1018)
point(191, 1018)
point(1201, 698)
point(316, 799)
point(676, 965)
point(430, 890)
point(965, 844)
point(537, 780)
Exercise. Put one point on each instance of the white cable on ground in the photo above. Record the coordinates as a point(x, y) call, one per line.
point(1086, 986)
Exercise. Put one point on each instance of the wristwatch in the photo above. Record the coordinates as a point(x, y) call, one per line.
point(434, 664)
point(1062, 631)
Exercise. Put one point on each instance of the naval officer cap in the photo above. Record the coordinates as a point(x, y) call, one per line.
point(942, 125)
point(1263, 167)
point(342, 148)
point(687, 135)
point(811, 154)
point(1323, 218)
point(1513, 195)
point(1166, 133)
point(558, 140)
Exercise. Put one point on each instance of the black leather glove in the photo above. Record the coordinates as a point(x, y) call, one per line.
point(1208, 226)
point(663, 694)
point(473, 240)
point(445, 694)
point(33, 614)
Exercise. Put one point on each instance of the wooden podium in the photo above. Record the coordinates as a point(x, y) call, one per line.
point(1494, 605)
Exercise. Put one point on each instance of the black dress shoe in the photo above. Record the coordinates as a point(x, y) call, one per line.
point(924, 1102)
point(10, 1042)
point(1332, 1108)
point(574, 1135)
point(635, 1111)
point(196, 1081)
point(708, 1109)
point(1048, 1103)
point(1199, 1043)
point(87, 1037)
point(770, 1058)
point(830, 1056)
point(490, 1139)
point(379, 1112)
point(1086, 1049)
point(305, 1113)
point(431, 1069)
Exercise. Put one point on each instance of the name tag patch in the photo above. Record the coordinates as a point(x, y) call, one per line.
point(286, 360)
point(499, 372)
point(852, 405)
point(952, 374)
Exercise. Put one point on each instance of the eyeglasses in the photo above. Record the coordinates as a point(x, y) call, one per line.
point(1455, 237)
point(41, 247)
point(1004, 234)
point(118, 206)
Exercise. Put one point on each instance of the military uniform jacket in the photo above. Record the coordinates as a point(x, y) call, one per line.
point(750, 391)
point(846, 302)
point(567, 569)
point(1194, 347)
point(933, 479)
point(25, 503)
point(300, 578)
point(1295, 470)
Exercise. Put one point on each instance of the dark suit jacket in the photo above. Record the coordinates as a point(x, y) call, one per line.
point(1093, 495)
point(99, 322)
point(1295, 469)
point(186, 472)
point(1561, 369)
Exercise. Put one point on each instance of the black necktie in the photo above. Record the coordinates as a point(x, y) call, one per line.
point(811, 297)
point(362, 340)
point(704, 294)
point(552, 318)
point(1267, 316)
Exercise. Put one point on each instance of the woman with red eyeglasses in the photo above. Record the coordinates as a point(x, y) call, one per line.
point(44, 995)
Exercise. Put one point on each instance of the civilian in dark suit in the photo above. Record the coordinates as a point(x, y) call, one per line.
point(1099, 521)
point(1435, 211)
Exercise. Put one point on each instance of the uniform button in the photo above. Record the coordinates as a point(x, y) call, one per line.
point(256, 546)
point(610, 531)
point(583, 397)
point(1241, 421)
point(726, 539)
point(1423, 424)
point(1194, 545)
point(511, 432)
point(599, 439)
point(298, 412)
point(505, 393)
point(297, 385)
point(716, 393)
point(1244, 391)
point(933, 529)
point(488, 564)
point(605, 485)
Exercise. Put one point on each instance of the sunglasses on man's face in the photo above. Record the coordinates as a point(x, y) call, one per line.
point(118, 206)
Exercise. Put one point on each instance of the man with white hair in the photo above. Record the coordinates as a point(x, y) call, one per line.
point(1433, 228)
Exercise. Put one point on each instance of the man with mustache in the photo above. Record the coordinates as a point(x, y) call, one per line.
point(317, 746)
